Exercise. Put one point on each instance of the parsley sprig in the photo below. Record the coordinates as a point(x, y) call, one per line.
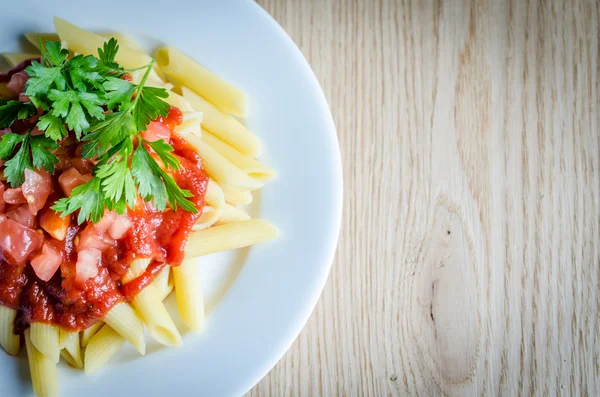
point(84, 96)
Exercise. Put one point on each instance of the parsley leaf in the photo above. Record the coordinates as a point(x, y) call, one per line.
point(14, 168)
point(42, 80)
point(40, 152)
point(82, 73)
point(117, 181)
point(55, 54)
point(106, 59)
point(88, 199)
point(53, 127)
point(118, 92)
point(149, 106)
point(108, 132)
point(9, 142)
point(10, 111)
point(68, 105)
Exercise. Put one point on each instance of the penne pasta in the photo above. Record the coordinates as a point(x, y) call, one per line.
point(214, 195)
point(190, 303)
point(65, 336)
point(123, 40)
point(164, 283)
point(249, 165)
point(153, 79)
point(123, 320)
point(71, 352)
point(158, 321)
point(87, 334)
point(223, 125)
point(229, 236)
point(219, 168)
point(179, 102)
point(15, 58)
point(101, 348)
point(182, 70)
point(84, 42)
point(235, 196)
point(45, 339)
point(44, 375)
point(136, 269)
point(208, 218)
point(232, 214)
point(10, 342)
point(35, 37)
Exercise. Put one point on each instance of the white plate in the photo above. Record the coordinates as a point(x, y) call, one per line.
point(258, 309)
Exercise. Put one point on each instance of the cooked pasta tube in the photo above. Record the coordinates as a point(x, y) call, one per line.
point(15, 58)
point(160, 325)
point(163, 282)
point(229, 236)
point(101, 348)
point(45, 339)
point(223, 125)
point(44, 375)
point(183, 70)
point(232, 214)
point(8, 340)
point(236, 196)
point(123, 320)
point(72, 353)
point(214, 195)
point(87, 334)
point(64, 336)
point(249, 165)
point(84, 42)
point(190, 302)
point(208, 218)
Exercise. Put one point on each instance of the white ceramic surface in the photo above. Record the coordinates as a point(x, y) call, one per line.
point(259, 299)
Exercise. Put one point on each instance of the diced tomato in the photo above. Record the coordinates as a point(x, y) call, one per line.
point(70, 179)
point(18, 242)
point(83, 166)
point(47, 262)
point(119, 227)
point(90, 237)
point(107, 220)
point(156, 131)
point(54, 224)
point(14, 196)
point(17, 83)
point(23, 215)
point(87, 265)
point(36, 189)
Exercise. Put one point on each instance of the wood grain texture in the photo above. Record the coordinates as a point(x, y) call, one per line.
point(470, 249)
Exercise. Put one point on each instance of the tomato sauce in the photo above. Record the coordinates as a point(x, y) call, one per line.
point(153, 234)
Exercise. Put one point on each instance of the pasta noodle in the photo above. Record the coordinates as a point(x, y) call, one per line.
point(164, 283)
point(229, 236)
point(65, 336)
point(45, 339)
point(232, 214)
point(235, 196)
point(14, 59)
point(214, 195)
point(149, 304)
point(101, 348)
point(44, 375)
point(182, 70)
point(123, 320)
point(87, 334)
point(71, 352)
point(208, 218)
point(224, 125)
point(10, 342)
point(190, 302)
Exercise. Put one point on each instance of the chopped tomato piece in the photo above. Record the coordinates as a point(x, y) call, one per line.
point(156, 131)
point(87, 265)
point(54, 224)
point(18, 242)
point(46, 263)
point(70, 179)
point(36, 189)
point(23, 215)
point(90, 237)
point(14, 196)
point(119, 227)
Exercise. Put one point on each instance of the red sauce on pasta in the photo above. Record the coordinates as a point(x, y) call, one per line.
point(66, 302)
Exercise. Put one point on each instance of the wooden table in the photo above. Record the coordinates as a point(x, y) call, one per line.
point(469, 257)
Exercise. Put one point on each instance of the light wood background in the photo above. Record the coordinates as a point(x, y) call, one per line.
point(469, 257)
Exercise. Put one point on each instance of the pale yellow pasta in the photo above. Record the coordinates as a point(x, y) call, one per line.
point(136, 269)
point(219, 168)
point(188, 292)
point(223, 125)
point(214, 195)
point(87, 334)
point(64, 336)
point(123, 40)
point(158, 321)
point(236, 196)
point(71, 352)
point(163, 282)
point(190, 124)
point(184, 71)
point(249, 165)
point(15, 58)
point(153, 79)
point(44, 375)
point(123, 319)
point(8, 340)
point(101, 348)
point(229, 236)
point(179, 102)
point(84, 42)
point(45, 338)
point(232, 214)
point(34, 37)
point(208, 218)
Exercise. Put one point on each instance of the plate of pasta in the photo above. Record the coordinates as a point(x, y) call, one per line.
point(170, 198)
